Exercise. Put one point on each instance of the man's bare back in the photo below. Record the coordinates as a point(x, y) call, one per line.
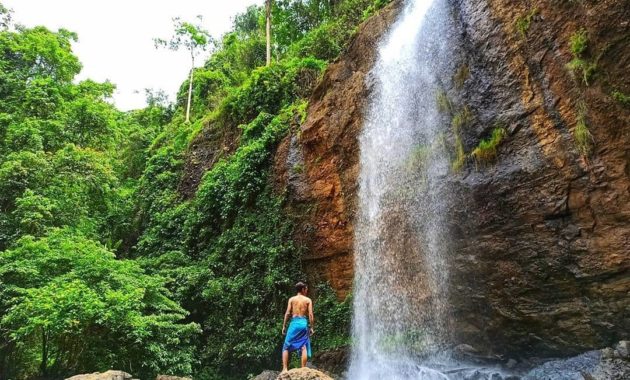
point(299, 305)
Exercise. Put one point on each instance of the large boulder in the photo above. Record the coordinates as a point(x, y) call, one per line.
point(607, 364)
point(168, 377)
point(267, 375)
point(304, 374)
point(109, 375)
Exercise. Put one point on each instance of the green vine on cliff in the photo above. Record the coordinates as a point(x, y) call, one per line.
point(523, 22)
point(580, 66)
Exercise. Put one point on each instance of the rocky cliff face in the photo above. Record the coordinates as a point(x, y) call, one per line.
point(319, 166)
point(541, 256)
point(540, 259)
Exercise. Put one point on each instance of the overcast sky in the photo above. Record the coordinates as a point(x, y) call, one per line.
point(116, 38)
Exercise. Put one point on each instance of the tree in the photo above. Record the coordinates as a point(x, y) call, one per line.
point(268, 29)
point(5, 17)
point(195, 40)
point(69, 306)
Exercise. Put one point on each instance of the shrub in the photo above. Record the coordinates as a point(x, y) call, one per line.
point(463, 72)
point(523, 22)
point(486, 151)
point(581, 134)
point(324, 42)
point(582, 68)
point(578, 43)
point(460, 154)
point(333, 319)
point(443, 103)
point(621, 97)
point(69, 306)
point(461, 119)
point(270, 88)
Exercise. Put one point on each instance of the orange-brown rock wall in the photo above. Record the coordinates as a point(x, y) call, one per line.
point(320, 163)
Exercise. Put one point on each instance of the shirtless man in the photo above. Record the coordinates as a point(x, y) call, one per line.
point(298, 336)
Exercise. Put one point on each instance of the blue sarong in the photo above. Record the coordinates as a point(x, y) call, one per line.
point(297, 336)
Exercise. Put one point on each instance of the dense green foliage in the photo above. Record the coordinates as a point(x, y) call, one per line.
point(103, 262)
point(69, 306)
point(66, 303)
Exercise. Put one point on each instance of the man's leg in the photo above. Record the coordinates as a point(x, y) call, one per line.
point(285, 360)
point(304, 356)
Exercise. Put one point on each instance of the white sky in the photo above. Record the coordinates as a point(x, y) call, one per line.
point(116, 38)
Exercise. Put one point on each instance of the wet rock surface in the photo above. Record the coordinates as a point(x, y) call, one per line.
point(593, 365)
point(333, 361)
point(304, 374)
point(541, 258)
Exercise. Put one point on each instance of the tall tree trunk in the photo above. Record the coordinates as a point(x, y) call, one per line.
point(43, 367)
point(268, 11)
point(190, 80)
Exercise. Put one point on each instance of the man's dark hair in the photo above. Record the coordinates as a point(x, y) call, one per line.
point(300, 286)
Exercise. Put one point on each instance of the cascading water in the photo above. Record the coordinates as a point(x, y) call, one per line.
point(401, 316)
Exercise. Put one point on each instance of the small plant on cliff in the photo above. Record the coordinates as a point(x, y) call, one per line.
point(486, 151)
point(376, 5)
point(621, 97)
point(298, 168)
point(463, 73)
point(443, 103)
point(418, 157)
point(578, 43)
point(460, 154)
point(581, 134)
point(461, 119)
point(333, 326)
point(523, 22)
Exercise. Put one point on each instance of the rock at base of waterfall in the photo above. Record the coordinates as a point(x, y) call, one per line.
point(334, 362)
point(267, 375)
point(109, 375)
point(606, 364)
point(304, 374)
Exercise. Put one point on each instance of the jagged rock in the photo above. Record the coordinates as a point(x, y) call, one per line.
point(109, 375)
point(608, 353)
point(511, 363)
point(623, 349)
point(304, 374)
point(593, 365)
point(267, 375)
point(615, 369)
point(333, 361)
point(168, 377)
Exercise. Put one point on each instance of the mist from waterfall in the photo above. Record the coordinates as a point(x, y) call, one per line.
point(401, 314)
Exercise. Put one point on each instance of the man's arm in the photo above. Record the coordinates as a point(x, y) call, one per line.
point(286, 317)
point(311, 316)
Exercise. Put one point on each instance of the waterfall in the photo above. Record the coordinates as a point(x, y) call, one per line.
point(401, 314)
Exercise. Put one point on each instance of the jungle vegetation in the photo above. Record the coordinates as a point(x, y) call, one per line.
point(103, 262)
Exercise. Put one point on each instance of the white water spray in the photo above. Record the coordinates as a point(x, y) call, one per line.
point(401, 285)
